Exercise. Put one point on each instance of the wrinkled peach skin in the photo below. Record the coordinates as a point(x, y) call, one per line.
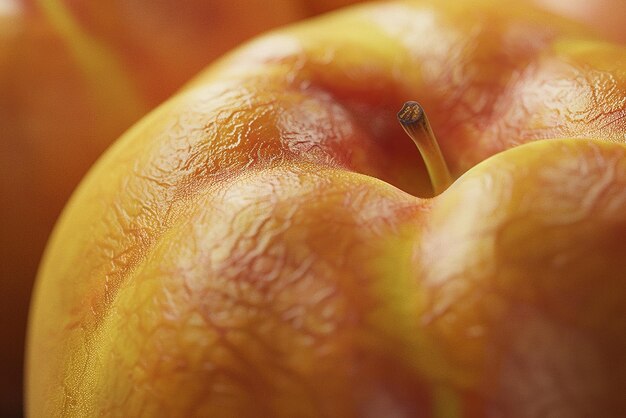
point(74, 74)
point(267, 244)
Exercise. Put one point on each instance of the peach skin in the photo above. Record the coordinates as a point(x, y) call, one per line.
point(73, 76)
point(270, 243)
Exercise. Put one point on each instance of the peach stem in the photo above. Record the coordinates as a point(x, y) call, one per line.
point(415, 124)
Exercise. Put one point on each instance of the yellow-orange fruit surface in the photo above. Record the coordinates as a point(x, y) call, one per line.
point(73, 76)
point(266, 243)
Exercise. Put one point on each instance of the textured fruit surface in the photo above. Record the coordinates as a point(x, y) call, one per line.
point(266, 242)
point(73, 76)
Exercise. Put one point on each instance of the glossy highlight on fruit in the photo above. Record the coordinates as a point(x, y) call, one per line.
point(268, 241)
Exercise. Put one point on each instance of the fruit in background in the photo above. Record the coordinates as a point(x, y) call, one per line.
point(73, 76)
point(608, 17)
point(261, 245)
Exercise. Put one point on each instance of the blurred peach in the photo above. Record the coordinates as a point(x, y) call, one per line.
point(608, 17)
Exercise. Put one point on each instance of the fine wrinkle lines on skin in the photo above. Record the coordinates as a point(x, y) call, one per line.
point(473, 61)
point(244, 216)
point(246, 129)
point(232, 125)
point(259, 271)
point(201, 139)
point(496, 89)
point(558, 96)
